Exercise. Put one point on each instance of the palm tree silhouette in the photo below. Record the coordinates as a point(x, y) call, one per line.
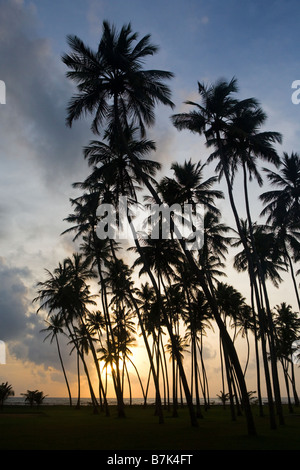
point(218, 118)
point(188, 186)
point(115, 111)
point(282, 207)
point(6, 391)
point(287, 326)
point(112, 83)
point(66, 293)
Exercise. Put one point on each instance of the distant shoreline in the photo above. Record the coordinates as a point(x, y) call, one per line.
point(85, 401)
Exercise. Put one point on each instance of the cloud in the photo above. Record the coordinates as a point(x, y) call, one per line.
point(14, 304)
point(20, 326)
point(39, 156)
point(32, 121)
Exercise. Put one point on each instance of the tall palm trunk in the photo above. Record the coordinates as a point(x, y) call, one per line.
point(292, 275)
point(110, 335)
point(250, 263)
point(86, 370)
point(63, 369)
point(266, 297)
point(150, 356)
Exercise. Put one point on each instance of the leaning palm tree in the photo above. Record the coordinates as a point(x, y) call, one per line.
point(54, 328)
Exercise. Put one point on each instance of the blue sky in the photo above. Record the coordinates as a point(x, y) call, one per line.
point(255, 41)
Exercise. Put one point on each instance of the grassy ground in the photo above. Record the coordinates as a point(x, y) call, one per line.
point(63, 428)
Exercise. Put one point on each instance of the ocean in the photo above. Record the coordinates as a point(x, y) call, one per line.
point(111, 401)
point(65, 401)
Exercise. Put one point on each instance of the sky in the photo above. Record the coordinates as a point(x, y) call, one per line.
point(40, 157)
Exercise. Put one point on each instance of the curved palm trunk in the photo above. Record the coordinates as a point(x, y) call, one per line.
point(284, 364)
point(166, 379)
point(204, 379)
point(256, 354)
point(63, 369)
point(250, 263)
point(293, 276)
point(139, 377)
point(81, 355)
point(150, 356)
point(296, 398)
point(117, 381)
point(196, 373)
point(96, 362)
point(78, 381)
point(229, 382)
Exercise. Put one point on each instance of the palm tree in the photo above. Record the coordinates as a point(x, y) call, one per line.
point(287, 326)
point(123, 294)
point(115, 163)
point(113, 168)
point(34, 396)
point(56, 326)
point(215, 117)
point(6, 391)
point(112, 84)
point(212, 254)
point(224, 397)
point(67, 294)
point(244, 323)
point(187, 186)
point(287, 196)
point(282, 206)
point(268, 250)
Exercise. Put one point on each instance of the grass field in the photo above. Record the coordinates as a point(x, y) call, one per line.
point(64, 428)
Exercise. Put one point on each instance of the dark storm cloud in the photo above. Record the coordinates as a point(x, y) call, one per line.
point(20, 326)
point(13, 302)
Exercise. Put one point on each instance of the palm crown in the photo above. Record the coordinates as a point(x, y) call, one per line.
point(112, 84)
